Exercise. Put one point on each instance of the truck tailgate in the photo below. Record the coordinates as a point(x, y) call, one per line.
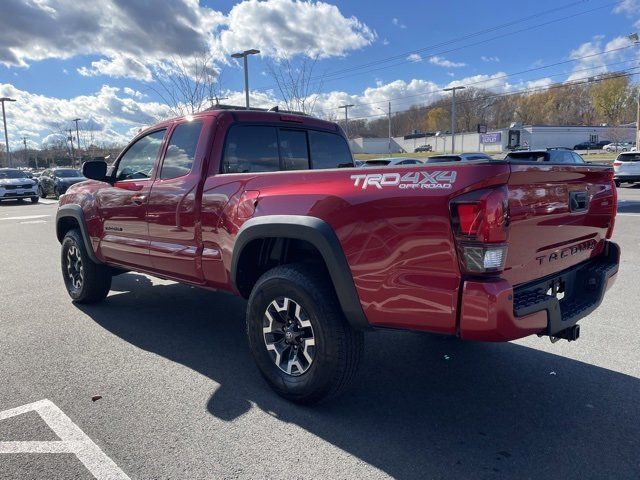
point(559, 216)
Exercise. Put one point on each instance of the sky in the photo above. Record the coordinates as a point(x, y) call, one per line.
point(100, 60)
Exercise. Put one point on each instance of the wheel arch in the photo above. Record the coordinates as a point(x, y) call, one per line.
point(311, 231)
point(69, 217)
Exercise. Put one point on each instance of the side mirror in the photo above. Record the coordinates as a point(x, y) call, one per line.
point(95, 170)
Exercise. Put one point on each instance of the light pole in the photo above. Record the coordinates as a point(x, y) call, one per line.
point(77, 138)
point(453, 115)
point(244, 55)
point(4, 120)
point(346, 118)
point(389, 115)
point(636, 40)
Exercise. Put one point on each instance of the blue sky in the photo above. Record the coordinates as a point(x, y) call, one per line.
point(95, 60)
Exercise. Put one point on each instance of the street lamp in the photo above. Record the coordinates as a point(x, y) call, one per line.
point(453, 115)
point(636, 40)
point(4, 120)
point(244, 56)
point(346, 118)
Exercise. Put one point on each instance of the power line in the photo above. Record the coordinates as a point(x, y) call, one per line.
point(580, 81)
point(326, 77)
point(500, 77)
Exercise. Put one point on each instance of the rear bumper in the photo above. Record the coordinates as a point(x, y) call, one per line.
point(495, 311)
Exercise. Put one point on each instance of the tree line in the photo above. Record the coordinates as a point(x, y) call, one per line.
point(611, 100)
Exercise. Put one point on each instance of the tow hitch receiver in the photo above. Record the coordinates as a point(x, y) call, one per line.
point(570, 334)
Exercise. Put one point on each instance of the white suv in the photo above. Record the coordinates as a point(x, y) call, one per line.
point(626, 168)
point(15, 183)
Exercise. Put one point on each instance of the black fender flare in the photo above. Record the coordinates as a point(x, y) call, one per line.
point(318, 233)
point(75, 211)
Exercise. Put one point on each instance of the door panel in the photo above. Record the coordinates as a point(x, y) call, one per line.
point(123, 206)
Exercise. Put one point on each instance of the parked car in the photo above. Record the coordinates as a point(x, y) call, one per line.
point(56, 181)
point(462, 157)
point(551, 155)
point(392, 162)
point(15, 184)
point(423, 148)
point(599, 145)
point(255, 203)
point(626, 168)
point(618, 147)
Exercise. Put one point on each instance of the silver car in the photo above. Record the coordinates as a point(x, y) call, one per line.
point(16, 184)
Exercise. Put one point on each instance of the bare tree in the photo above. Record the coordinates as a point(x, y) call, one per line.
point(297, 86)
point(188, 85)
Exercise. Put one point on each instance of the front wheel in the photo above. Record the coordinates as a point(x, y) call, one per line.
point(301, 341)
point(86, 281)
point(42, 192)
point(35, 199)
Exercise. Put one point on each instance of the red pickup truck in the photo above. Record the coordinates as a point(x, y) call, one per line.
point(269, 205)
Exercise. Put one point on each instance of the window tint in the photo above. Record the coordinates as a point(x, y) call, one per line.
point(251, 149)
point(329, 150)
point(561, 156)
point(293, 149)
point(444, 158)
point(138, 160)
point(528, 156)
point(181, 150)
point(577, 158)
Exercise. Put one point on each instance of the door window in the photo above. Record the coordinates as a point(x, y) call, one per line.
point(181, 150)
point(251, 149)
point(138, 161)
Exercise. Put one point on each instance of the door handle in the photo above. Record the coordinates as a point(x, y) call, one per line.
point(138, 199)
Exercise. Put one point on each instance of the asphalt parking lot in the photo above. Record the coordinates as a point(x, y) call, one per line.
point(181, 397)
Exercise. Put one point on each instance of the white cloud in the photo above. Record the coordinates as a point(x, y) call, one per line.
point(133, 93)
point(286, 28)
point(398, 23)
point(596, 61)
point(414, 57)
point(118, 66)
point(443, 62)
point(130, 37)
point(489, 59)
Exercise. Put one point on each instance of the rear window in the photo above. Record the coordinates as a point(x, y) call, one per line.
point(443, 158)
point(329, 150)
point(634, 157)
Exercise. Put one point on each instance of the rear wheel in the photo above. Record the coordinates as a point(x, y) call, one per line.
point(617, 182)
point(301, 341)
point(86, 281)
point(35, 199)
point(42, 192)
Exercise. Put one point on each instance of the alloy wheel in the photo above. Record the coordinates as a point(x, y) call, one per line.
point(288, 336)
point(75, 270)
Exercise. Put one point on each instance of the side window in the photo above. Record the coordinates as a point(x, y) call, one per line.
point(138, 160)
point(329, 150)
point(294, 150)
point(251, 149)
point(181, 150)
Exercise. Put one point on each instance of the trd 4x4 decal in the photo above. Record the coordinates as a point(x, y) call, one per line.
point(410, 180)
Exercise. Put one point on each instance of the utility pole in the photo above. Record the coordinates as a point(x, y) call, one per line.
point(346, 118)
point(73, 155)
point(4, 120)
point(217, 99)
point(244, 56)
point(453, 115)
point(389, 127)
point(77, 138)
point(24, 142)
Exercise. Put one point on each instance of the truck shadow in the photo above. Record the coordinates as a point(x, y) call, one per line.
point(422, 407)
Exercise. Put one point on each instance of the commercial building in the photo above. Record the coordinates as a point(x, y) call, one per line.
point(501, 140)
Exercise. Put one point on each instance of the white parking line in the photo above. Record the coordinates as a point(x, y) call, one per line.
point(31, 222)
point(73, 440)
point(628, 214)
point(25, 217)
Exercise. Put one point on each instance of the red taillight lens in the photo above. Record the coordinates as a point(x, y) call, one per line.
point(617, 164)
point(480, 225)
point(468, 218)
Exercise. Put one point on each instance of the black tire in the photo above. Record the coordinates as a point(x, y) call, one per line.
point(35, 199)
point(617, 182)
point(92, 281)
point(43, 194)
point(338, 347)
point(56, 193)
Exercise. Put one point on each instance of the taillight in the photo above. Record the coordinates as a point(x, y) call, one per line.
point(617, 164)
point(480, 222)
